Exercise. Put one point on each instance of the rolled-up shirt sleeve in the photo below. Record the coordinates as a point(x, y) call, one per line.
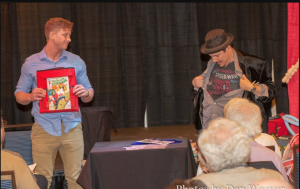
point(264, 90)
point(25, 82)
point(82, 78)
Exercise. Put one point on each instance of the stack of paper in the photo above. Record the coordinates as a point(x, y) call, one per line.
point(151, 141)
point(32, 167)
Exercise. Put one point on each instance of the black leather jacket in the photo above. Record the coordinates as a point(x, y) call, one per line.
point(255, 69)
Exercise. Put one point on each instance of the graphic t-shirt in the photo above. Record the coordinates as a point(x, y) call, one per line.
point(222, 81)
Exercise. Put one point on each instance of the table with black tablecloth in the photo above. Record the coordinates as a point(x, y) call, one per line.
point(109, 165)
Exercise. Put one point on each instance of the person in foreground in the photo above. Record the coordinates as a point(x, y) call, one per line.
point(268, 140)
point(224, 149)
point(272, 183)
point(288, 158)
point(229, 74)
point(52, 132)
point(248, 115)
point(186, 184)
point(13, 161)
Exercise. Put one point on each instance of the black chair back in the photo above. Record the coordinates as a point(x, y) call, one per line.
point(263, 164)
point(271, 147)
point(96, 124)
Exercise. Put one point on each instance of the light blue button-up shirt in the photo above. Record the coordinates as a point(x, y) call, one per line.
point(51, 122)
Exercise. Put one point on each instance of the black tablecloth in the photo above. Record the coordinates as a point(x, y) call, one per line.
point(109, 165)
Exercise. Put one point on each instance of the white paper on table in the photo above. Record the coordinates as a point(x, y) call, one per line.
point(147, 146)
point(151, 141)
point(154, 146)
point(135, 147)
point(139, 146)
point(32, 167)
point(130, 148)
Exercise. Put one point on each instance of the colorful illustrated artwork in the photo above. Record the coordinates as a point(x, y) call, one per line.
point(58, 93)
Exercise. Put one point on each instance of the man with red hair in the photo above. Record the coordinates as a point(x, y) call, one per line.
point(55, 132)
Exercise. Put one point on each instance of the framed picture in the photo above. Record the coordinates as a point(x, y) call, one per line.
point(59, 84)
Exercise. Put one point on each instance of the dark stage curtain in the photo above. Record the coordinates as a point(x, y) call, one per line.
point(141, 55)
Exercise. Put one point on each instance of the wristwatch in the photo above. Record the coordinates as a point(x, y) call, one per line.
point(87, 93)
point(253, 89)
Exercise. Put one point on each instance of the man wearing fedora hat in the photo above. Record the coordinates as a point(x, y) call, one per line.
point(231, 74)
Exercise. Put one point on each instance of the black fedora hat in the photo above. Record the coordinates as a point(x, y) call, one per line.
point(215, 41)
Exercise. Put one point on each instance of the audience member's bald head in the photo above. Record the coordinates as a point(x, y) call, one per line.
point(223, 145)
point(246, 114)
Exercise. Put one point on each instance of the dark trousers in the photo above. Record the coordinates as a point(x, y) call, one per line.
point(42, 182)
